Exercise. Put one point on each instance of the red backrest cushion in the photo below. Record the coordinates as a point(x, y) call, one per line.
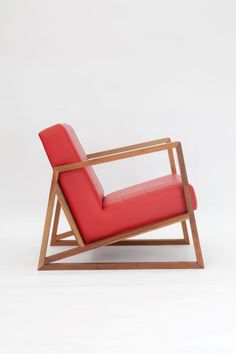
point(81, 187)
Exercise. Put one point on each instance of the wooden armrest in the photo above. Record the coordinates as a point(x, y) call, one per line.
point(140, 151)
point(128, 148)
point(116, 156)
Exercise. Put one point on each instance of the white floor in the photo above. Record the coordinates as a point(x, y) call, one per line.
point(169, 311)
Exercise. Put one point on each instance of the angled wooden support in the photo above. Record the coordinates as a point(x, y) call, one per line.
point(54, 236)
point(52, 262)
point(58, 239)
point(48, 220)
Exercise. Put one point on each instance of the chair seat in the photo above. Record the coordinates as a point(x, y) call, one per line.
point(166, 186)
point(142, 204)
point(146, 203)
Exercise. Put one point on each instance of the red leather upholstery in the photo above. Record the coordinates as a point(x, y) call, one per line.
point(97, 216)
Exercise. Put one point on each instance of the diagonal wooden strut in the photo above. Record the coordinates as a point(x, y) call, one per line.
point(54, 236)
point(48, 220)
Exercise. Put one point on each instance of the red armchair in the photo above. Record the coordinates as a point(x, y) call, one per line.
point(98, 220)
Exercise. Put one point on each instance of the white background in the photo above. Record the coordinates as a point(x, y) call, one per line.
point(119, 72)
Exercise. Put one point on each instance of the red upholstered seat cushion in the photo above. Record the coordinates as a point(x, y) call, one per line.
point(146, 203)
point(97, 216)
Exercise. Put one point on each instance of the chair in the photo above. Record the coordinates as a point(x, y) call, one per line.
point(98, 220)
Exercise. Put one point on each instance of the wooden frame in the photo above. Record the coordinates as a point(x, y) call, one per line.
point(51, 262)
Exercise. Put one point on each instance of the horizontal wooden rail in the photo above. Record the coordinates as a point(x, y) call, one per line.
point(151, 242)
point(65, 235)
point(115, 157)
point(129, 148)
point(135, 242)
point(122, 265)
